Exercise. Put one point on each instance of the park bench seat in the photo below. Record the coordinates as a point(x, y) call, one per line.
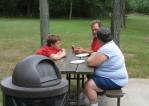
point(117, 93)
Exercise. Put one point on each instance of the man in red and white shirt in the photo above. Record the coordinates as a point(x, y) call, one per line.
point(95, 26)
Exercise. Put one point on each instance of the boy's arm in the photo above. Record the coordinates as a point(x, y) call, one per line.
point(57, 56)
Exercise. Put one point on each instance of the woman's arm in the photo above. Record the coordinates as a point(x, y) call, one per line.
point(96, 59)
point(58, 55)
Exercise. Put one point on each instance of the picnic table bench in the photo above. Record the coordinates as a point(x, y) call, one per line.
point(117, 93)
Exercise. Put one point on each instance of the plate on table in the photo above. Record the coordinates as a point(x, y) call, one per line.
point(77, 61)
point(82, 55)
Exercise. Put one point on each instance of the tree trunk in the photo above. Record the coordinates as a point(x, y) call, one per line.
point(29, 8)
point(115, 21)
point(70, 13)
point(44, 20)
point(123, 17)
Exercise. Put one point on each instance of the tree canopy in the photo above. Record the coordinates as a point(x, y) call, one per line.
point(61, 8)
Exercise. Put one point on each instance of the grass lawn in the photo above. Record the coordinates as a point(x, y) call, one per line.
point(21, 37)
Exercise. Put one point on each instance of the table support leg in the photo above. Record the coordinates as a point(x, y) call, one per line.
point(78, 89)
point(68, 76)
point(82, 80)
point(118, 101)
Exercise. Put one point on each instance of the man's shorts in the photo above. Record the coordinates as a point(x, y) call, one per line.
point(105, 83)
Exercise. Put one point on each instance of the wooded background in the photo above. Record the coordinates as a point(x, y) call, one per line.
point(62, 8)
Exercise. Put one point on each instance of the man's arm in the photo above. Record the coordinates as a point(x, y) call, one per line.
point(81, 50)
